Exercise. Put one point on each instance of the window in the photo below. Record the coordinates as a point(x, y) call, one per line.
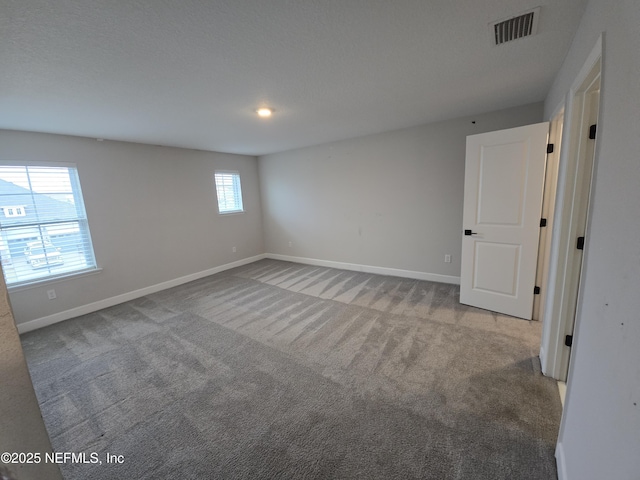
point(229, 192)
point(45, 233)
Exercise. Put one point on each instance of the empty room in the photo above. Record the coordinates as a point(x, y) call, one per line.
point(353, 239)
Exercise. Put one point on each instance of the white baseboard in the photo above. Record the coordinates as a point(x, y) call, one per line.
point(560, 462)
point(125, 297)
point(395, 272)
point(543, 359)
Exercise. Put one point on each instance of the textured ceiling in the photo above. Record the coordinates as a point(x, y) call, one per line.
point(190, 73)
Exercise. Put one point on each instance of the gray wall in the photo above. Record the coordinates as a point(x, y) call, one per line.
point(600, 431)
point(152, 213)
point(389, 200)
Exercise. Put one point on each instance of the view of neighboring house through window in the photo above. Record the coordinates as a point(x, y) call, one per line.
point(44, 231)
point(229, 192)
point(14, 211)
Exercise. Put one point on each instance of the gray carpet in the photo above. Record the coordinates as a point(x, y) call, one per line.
point(277, 370)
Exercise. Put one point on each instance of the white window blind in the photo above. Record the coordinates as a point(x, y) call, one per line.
point(50, 237)
point(229, 192)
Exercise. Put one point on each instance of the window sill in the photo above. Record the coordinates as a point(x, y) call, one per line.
point(235, 212)
point(47, 281)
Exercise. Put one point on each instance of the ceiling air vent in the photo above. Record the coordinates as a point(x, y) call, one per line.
point(523, 25)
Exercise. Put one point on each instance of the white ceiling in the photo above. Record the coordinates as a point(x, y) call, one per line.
point(190, 73)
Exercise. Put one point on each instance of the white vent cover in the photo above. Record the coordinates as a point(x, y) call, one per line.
point(523, 25)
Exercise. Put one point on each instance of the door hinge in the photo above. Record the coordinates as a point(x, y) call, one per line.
point(536, 290)
point(568, 340)
point(580, 243)
point(543, 222)
point(549, 147)
point(592, 131)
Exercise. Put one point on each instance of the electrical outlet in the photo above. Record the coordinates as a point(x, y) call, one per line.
point(234, 249)
point(51, 294)
point(447, 259)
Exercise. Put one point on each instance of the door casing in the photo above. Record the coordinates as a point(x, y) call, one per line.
point(572, 207)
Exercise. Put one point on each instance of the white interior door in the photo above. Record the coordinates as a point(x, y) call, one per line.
point(504, 180)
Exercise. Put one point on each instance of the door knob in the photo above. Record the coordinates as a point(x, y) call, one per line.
point(469, 232)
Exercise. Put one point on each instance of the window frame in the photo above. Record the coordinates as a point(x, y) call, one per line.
point(236, 176)
point(82, 221)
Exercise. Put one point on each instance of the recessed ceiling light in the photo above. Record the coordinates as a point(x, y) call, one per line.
point(265, 112)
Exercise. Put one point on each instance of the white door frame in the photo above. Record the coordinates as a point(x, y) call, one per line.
point(548, 211)
point(572, 203)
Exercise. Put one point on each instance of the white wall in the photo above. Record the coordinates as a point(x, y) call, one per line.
point(152, 213)
point(600, 431)
point(390, 200)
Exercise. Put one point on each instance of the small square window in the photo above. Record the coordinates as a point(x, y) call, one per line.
point(229, 192)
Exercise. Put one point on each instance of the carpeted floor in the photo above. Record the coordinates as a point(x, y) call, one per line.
point(277, 370)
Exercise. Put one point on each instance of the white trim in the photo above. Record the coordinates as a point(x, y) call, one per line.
point(126, 297)
point(232, 212)
point(47, 280)
point(556, 358)
point(395, 272)
point(545, 250)
point(561, 463)
point(589, 63)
